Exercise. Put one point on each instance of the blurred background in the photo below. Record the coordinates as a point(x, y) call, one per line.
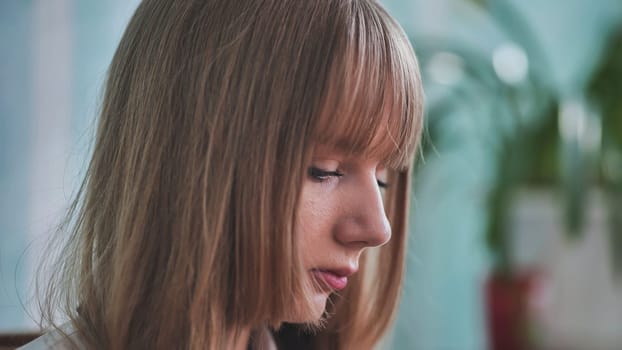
point(516, 224)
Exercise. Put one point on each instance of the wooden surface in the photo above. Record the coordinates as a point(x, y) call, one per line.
point(12, 341)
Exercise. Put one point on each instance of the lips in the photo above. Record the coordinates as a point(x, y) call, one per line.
point(336, 279)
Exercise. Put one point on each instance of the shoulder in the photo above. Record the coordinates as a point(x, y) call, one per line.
point(67, 338)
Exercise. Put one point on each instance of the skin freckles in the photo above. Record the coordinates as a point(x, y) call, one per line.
point(341, 214)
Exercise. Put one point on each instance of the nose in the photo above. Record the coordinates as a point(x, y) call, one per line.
point(364, 222)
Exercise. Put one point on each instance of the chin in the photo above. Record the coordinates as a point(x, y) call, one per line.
point(314, 313)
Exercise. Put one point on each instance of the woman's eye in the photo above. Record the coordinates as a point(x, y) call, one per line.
point(381, 176)
point(321, 175)
point(383, 185)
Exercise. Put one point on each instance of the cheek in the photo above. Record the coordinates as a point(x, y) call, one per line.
point(314, 225)
point(317, 215)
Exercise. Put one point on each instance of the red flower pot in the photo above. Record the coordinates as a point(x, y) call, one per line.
point(507, 302)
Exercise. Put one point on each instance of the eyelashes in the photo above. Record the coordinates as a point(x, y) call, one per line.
point(323, 175)
point(320, 175)
point(382, 184)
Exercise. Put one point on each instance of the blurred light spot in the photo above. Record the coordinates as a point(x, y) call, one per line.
point(510, 63)
point(577, 123)
point(446, 68)
point(571, 120)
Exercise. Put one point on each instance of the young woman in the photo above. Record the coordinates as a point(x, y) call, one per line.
point(249, 181)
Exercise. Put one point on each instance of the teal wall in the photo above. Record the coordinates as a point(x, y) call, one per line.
point(15, 77)
point(25, 184)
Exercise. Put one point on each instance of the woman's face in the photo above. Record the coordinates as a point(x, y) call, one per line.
point(341, 213)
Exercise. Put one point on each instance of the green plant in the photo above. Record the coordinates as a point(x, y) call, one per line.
point(604, 90)
point(529, 147)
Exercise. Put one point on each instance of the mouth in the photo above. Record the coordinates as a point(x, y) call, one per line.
point(332, 279)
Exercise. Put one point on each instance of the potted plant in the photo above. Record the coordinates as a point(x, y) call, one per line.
point(533, 152)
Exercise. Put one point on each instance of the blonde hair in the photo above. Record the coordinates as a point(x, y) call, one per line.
point(183, 232)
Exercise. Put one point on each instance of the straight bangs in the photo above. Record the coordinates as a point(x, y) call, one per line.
point(374, 101)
